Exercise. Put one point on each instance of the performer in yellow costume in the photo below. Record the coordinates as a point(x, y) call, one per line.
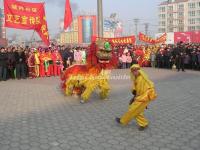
point(144, 92)
point(37, 62)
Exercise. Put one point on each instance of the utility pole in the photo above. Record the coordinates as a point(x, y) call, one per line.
point(146, 28)
point(1, 3)
point(100, 17)
point(136, 21)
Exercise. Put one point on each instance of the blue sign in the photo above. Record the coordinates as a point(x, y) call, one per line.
point(87, 30)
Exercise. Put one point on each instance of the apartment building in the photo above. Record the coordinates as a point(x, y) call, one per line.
point(179, 16)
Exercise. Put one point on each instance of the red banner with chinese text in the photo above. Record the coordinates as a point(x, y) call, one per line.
point(161, 39)
point(117, 41)
point(26, 15)
point(147, 39)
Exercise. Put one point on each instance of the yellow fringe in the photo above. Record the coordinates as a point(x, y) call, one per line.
point(90, 82)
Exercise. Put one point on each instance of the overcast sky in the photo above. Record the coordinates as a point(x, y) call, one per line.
point(145, 10)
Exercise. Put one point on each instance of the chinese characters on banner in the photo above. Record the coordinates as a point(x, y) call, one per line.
point(161, 39)
point(147, 39)
point(120, 40)
point(26, 15)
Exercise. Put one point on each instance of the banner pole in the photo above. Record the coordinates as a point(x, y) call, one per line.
point(32, 38)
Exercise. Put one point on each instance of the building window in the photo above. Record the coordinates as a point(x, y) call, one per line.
point(192, 21)
point(170, 8)
point(191, 5)
point(198, 20)
point(181, 29)
point(198, 4)
point(170, 30)
point(191, 28)
point(181, 7)
point(197, 27)
point(161, 30)
point(180, 21)
point(163, 16)
point(191, 13)
point(170, 22)
point(162, 23)
point(170, 15)
point(198, 12)
point(180, 14)
point(162, 9)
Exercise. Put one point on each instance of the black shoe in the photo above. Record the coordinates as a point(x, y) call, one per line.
point(142, 128)
point(118, 120)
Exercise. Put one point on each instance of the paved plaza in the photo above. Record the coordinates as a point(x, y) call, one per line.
point(35, 115)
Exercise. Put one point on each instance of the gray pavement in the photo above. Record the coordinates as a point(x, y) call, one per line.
point(35, 115)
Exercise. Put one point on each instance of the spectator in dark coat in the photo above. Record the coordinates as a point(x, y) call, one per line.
point(3, 64)
point(11, 62)
point(20, 63)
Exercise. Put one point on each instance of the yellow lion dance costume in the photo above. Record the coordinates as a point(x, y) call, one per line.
point(83, 80)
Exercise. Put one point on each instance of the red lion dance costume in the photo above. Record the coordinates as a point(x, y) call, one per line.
point(84, 79)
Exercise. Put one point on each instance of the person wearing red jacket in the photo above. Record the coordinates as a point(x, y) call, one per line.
point(43, 63)
point(50, 71)
point(57, 62)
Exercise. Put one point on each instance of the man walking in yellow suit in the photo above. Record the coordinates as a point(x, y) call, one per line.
point(144, 92)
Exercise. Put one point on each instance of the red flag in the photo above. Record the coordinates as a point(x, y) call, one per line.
point(28, 16)
point(68, 15)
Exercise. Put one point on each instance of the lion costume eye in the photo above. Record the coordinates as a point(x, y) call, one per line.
point(107, 46)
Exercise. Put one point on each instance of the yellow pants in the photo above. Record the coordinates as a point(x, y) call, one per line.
point(37, 70)
point(136, 110)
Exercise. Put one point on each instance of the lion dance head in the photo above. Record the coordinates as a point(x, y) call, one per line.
point(101, 55)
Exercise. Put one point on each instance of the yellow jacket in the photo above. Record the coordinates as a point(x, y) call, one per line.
point(145, 90)
point(37, 60)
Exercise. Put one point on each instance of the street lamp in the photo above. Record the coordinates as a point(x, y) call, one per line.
point(100, 17)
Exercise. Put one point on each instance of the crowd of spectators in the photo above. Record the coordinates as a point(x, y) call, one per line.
point(24, 62)
point(182, 56)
